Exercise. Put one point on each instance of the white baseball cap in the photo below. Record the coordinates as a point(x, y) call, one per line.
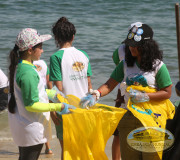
point(29, 37)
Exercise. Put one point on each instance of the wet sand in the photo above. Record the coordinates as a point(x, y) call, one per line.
point(9, 151)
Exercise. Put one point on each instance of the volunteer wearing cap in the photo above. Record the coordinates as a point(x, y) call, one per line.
point(142, 66)
point(118, 56)
point(29, 126)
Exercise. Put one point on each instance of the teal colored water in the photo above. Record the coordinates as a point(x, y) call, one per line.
point(101, 27)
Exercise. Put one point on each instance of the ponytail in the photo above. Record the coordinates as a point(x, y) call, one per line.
point(14, 58)
point(63, 31)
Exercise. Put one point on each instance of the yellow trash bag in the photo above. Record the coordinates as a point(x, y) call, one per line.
point(152, 113)
point(86, 132)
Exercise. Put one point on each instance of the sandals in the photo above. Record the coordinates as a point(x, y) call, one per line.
point(48, 151)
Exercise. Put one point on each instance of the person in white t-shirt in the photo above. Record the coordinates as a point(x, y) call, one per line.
point(143, 66)
point(3, 91)
point(29, 101)
point(43, 71)
point(70, 69)
point(118, 56)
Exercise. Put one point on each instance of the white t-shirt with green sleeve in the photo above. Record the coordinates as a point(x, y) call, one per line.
point(28, 128)
point(158, 79)
point(3, 80)
point(72, 67)
point(42, 69)
point(119, 54)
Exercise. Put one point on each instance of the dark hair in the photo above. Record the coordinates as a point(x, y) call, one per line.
point(14, 56)
point(63, 31)
point(149, 51)
point(128, 57)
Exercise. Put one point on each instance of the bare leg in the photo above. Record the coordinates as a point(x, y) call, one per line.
point(116, 154)
point(48, 148)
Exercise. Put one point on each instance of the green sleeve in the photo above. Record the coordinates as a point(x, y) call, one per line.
point(89, 71)
point(116, 57)
point(118, 73)
point(44, 107)
point(176, 104)
point(55, 67)
point(29, 87)
point(47, 73)
point(163, 78)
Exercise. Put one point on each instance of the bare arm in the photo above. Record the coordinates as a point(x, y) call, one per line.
point(49, 83)
point(54, 116)
point(108, 87)
point(163, 94)
point(58, 85)
point(89, 83)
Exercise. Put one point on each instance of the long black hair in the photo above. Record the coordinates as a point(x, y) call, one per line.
point(149, 52)
point(14, 57)
point(63, 31)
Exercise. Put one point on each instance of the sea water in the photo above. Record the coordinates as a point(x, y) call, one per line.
point(101, 27)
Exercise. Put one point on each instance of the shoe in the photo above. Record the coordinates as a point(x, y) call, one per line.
point(48, 151)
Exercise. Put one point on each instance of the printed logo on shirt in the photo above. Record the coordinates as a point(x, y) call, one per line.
point(38, 68)
point(78, 66)
point(77, 77)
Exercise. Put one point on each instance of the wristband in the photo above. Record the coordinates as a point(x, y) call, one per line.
point(96, 92)
point(99, 92)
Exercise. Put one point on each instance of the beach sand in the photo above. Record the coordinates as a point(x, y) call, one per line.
point(9, 151)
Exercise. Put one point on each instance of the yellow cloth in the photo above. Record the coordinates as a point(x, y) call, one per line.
point(152, 113)
point(85, 132)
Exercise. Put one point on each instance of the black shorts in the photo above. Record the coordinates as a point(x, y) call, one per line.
point(30, 152)
point(3, 98)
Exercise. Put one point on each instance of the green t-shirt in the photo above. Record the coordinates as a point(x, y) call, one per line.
point(27, 79)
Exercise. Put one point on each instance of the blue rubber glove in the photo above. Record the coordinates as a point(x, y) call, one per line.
point(66, 109)
point(88, 101)
point(52, 94)
point(138, 96)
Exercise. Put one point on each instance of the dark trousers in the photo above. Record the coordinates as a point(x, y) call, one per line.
point(173, 125)
point(127, 124)
point(30, 152)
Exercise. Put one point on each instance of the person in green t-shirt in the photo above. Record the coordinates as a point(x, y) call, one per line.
point(142, 66)
point(29, 107)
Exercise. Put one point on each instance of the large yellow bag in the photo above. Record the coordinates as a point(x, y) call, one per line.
point(86, 132)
